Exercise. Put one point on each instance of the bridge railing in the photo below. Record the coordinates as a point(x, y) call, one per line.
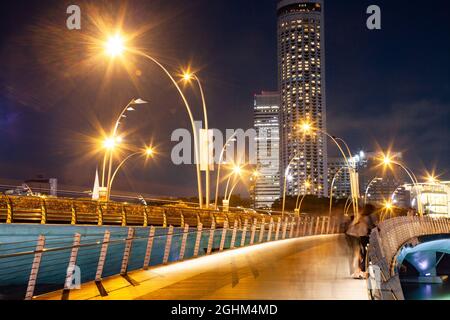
point(48, 264)
point(44, 210)
point(387, 240)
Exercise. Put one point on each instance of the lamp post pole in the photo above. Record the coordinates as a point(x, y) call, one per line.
point(191, 118)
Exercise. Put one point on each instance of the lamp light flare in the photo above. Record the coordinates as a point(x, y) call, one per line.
point(388, 206)
point(306, 127)
point(187, 76)
point(115, 46)
point(150, 152)
point(109, 143)
point(387, 161)
point(237, 170)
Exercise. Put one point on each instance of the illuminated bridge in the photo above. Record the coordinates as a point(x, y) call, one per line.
point(137, 252)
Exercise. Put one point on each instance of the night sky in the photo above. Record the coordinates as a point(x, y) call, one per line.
point(388, 87)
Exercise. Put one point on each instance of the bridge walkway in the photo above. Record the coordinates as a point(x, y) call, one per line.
point(311, 268)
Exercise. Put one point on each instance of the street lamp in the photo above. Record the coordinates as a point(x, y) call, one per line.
point(388, 208)
point(307, 128)
point(219, 166)
point(148, 152)
point(286, 174)
point(336, 175)
point(111, 142)
point(115, 46)
point(235, 174)
point(298, 206)
point(188, 76)
point(237, 171)
point(366, 194)
point(388, 161)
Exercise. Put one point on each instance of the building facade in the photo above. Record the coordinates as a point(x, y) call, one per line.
point(267, 183)
point(434, 197)
point(301, 80)
point(339, 174)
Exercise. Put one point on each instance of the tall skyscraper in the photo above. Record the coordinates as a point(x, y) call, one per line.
point(267, 185)
point(301, 76)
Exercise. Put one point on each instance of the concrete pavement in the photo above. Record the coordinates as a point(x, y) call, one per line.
point(311, 268)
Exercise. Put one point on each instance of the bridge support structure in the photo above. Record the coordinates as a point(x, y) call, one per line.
point(387, 243)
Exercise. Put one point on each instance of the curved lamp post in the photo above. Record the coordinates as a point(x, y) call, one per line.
point(187, 77)
point(366, 194)
point(111, 143)
point(336, 175)
point(298, 205)
point(387, 161)
point(149, 152)
point(286, 173)
point(115, 46)
point(216, 202)
point(307, 128)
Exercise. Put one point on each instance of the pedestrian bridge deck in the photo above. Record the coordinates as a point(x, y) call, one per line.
point(311, 268)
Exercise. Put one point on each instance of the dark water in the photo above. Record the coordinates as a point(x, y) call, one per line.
point(426, 291)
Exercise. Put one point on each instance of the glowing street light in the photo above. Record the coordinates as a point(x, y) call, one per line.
point(111, 143)
point(388, 206)
point(298, 206)
point(287, 177)
point(188, 77)
point(307, 128)
point(432, 179)
point(148, 152)
point(188, 109)
point(388, 161)
point(236, 173)
point(115, 45)
point(219, 167)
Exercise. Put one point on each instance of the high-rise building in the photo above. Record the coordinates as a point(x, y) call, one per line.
point(267, 184)
point(301, 76)
point(337, 171)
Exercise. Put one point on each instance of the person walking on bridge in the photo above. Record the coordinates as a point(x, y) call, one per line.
point(359, 233)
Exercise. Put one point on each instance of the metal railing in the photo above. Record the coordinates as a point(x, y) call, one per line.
point(48, 264)
point(388, 239)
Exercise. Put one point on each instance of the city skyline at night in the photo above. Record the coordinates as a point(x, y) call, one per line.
point(32, 111)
